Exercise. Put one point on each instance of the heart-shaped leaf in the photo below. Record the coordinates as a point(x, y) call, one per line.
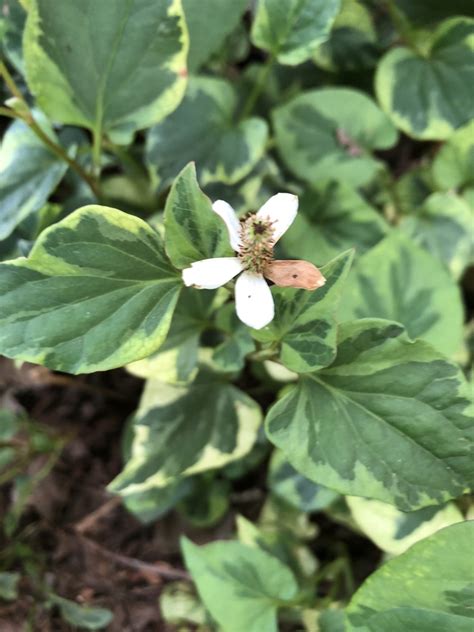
point(400, 281)
point(204, 129)
point(241, 586)
point(429, 95)
point(114, 66)
point(291, 30)
point(438, 572)
point(332, 219)
point(193, 230)
point(387, 420)
point(330, 133)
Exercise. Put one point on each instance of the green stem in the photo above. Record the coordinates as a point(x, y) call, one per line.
point(28, 118)
point(402, 25)
point(258, 87)
point(97, 148)
point(10, 113)
point(11, 85)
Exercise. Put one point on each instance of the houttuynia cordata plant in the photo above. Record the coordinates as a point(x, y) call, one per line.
point(236, 276)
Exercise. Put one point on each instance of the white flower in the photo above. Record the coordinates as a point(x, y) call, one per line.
point(253, 240)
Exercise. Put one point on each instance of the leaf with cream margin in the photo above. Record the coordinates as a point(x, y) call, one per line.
point(429, 588)
point(444, 226)
point(291, 30)
point(394, 531)
point(184, 430)
point(241, 586)
point(113, 67)
point(96, 292)
point(331, 133)
point(416, 88)
point(400, 281)
point(390, 419)
point(331, 219)
point(206, 129)
point(453, 166)
point(29, 173)
point(176, 361)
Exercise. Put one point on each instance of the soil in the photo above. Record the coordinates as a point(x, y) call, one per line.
point(83, 542)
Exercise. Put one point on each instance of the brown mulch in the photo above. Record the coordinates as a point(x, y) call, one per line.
point(88, 547)
point(83, 542)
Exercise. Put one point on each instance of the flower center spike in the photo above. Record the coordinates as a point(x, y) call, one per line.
point(257, 242)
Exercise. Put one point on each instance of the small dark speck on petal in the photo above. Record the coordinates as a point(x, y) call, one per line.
point(249, 296)
point(294, 276)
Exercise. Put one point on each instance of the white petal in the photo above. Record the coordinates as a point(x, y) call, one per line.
point(227, 213)
point(253, 300)
point(209, 274)
point(281, 210)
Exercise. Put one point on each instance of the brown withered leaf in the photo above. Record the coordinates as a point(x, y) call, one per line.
point(296, 273)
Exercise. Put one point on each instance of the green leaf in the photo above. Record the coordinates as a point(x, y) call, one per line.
point(422, 13)
point(394, 531)
point(296, 490)
point(453, 166)
point(115, 67)
point(418, 620)
point(209, 24)
point(352, 43)
point(179, 431)
point(330, 133)
point(10, 425)
point(12, 23)
point(9, 585)
point(241, 586)
point(434, 577)
point(204, 129)
point(351, 427)
point(151, 504)
point(84, 617)
point(412, 189)
point(193, 230)
point(444, 226)
point(331, 621)
point(304, 323)
point(179, 604)
point(417, 90)
point(96, 292)
point(29, 173)
point(280, 532)
point(332, 219)
point(207, 502)
point(176, 360)
point(230, 354)
point(291, 30)
point(400, 281)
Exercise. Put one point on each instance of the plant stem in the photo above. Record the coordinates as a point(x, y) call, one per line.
point(10, 113)
point(11, 85)
point(28, 118)
point(258, 87)
point(97, 148)
point(402, 25)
